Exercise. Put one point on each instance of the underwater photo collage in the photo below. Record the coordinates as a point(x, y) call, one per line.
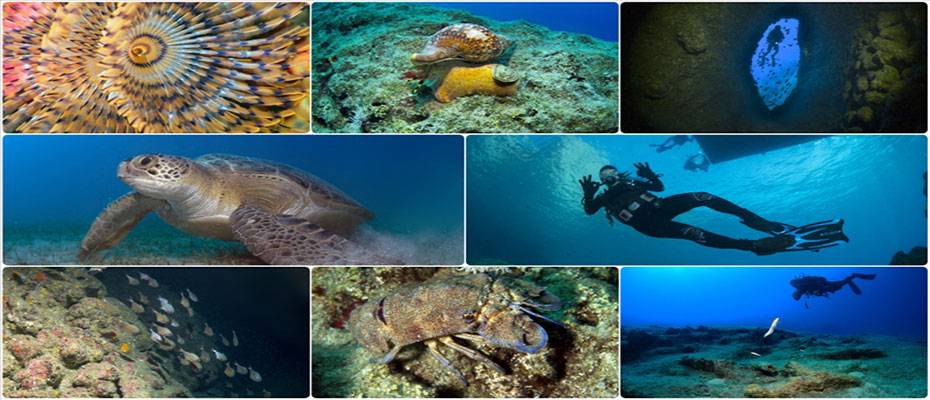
point(405, 199)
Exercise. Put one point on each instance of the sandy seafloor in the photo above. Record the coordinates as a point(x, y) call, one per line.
point(718, 362)
point(156, 243)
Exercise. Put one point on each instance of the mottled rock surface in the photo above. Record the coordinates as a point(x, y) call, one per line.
point(62, 336)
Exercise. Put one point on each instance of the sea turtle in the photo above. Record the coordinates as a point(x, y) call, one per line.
point(281, 214)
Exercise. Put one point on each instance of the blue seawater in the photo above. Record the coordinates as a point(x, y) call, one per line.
point(524, 200)
point(412, 184)
point(894, 303)
point(776, 61)
point(599, 20)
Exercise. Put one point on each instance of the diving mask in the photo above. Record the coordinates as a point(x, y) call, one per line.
point(610, 176)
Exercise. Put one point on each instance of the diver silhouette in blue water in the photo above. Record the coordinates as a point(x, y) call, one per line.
point(807, 286)
point(697, 162)
point(672, 142)
point(774, 38)
point(629, 200)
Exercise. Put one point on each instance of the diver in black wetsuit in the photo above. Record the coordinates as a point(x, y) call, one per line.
point(629, 200)
point(672, 142)
point(820, 286)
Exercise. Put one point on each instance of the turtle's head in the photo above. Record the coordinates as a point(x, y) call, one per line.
point(159, 176)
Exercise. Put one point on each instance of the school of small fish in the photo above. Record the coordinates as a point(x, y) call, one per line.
point(171, 332)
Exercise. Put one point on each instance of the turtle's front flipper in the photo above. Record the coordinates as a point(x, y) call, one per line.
point(112, 225)
point(287, 240)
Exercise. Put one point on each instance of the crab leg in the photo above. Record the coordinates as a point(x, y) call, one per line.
point(387, 357)
point(470, 337)
point(472, 354)
point(520, 308)
point(431, 346)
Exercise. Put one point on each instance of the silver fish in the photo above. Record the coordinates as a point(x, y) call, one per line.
point(254, 375)
point(235, 340)
point(219, 356)
point(154, 336)
point(240, 369)
point(136, 307)
point(192, 296)
point(225, 341)
point(144, 277)
point(165, 305)
point(153, 283)
point(132, 281)
point(164, 332)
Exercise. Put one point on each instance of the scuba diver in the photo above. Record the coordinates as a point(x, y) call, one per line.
point(629, 200)
point(774, 38)
point(820, 286)
point(672, 142)
point(697, 162)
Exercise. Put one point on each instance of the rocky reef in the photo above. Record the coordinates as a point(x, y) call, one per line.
point(63, 337)
point(75, 332)
point(886, 80)
point(364, 81)
point(580, 359)
point(917, 256)
point(737, 362)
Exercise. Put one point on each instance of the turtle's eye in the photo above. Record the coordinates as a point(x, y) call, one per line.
point(145, 161)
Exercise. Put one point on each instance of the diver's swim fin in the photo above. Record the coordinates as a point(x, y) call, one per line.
point(852, 285)
point(810, 237)
point(854, 288)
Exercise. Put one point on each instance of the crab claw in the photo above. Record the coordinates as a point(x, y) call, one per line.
point(515, 331)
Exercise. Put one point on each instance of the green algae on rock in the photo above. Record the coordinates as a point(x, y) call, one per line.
point(580, 360)
point(887, 63)
point(569, 82)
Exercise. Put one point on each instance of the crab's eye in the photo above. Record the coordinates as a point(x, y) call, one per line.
point(145, 161)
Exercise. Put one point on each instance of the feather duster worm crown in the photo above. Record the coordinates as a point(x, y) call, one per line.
point(156, 67)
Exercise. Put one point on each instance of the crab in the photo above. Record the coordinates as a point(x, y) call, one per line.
point(479, 308)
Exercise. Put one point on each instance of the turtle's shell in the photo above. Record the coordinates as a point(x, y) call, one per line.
point(262, 173)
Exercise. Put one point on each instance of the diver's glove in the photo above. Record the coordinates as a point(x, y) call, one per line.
point(643, 170)
point(588, 186)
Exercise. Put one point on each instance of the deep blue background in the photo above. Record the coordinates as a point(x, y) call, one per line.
point(894, 303)
point(413, 184)
point(599, 20)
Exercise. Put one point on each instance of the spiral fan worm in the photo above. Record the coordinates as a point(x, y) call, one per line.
point(170, 67)
point(24, 24)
